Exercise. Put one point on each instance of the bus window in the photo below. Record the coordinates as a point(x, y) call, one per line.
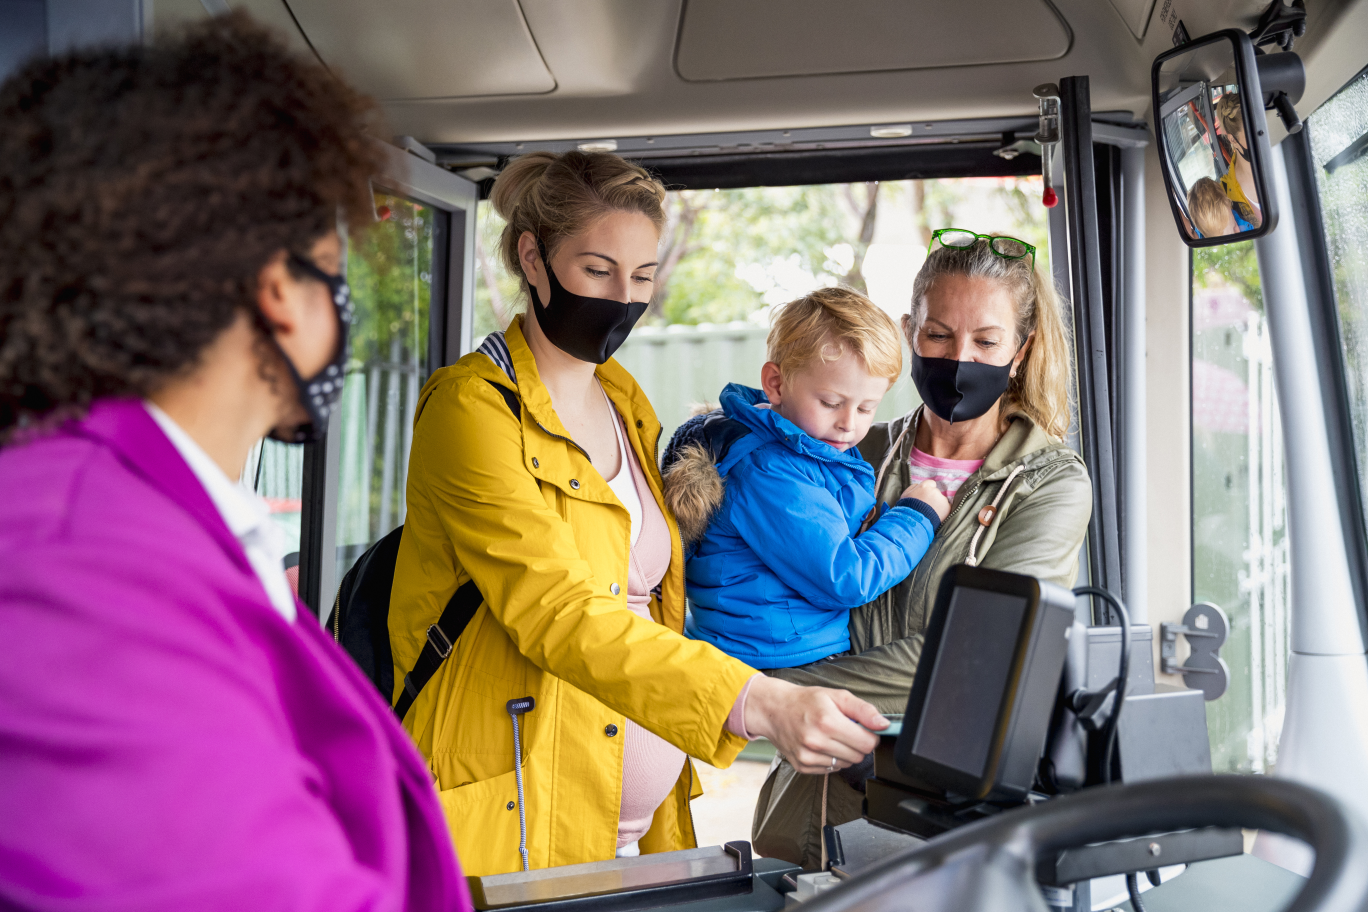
point(390, 273)
point(1339, 141)
point(276, 472)
point(1240, 557)
point(729, 256)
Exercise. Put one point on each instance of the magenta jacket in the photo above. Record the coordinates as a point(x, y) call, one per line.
point(168, 741)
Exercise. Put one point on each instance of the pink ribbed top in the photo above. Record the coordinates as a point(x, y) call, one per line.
point(650, 764)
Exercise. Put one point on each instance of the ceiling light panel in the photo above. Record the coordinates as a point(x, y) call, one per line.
point(726, 40)
point(427, 48)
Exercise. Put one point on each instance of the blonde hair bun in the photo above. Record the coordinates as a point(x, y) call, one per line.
point(556, 196)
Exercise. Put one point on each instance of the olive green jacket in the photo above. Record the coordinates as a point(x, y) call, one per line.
point(1038, 529)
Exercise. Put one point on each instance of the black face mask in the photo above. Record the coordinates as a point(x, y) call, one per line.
point(590, 329)
point(319, 394)
point(959, 390)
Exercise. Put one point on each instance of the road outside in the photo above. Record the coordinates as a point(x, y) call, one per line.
point(724, 812)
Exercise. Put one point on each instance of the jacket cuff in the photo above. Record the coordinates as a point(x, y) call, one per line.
point(924, 509)
point(736, 719)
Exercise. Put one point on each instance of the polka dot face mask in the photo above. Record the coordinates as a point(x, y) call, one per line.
point(320, 393)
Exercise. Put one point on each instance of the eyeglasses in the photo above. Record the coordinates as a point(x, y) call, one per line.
point(1009, 248)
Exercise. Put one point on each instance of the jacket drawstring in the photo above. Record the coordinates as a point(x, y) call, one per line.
point(879, 478)
point(889, 457)
point(988, 514)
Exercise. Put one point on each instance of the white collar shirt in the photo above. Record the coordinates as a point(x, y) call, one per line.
point(245, 514)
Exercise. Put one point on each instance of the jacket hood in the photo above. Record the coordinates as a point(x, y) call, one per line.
point(750, 407)
point(706, 446)
point(1024, 444)
point(692, 483)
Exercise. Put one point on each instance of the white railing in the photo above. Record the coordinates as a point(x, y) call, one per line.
point(1265, 580)
point(379, 401)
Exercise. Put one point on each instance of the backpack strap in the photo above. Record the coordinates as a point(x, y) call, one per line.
point(466, 600)
point(441, 638)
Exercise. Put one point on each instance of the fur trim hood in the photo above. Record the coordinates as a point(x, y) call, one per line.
point(693, 490)
point(706, 446)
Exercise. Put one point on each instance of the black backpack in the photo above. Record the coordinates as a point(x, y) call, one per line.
point(360, 617)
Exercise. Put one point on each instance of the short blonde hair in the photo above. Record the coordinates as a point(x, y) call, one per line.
point(824, 324)
point(1040, 389)
point(1210, 207)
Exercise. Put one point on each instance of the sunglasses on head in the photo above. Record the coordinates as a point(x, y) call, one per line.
point(1009, 248)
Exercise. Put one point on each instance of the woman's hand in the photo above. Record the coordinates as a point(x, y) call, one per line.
point(814, 728)
point(927, 492)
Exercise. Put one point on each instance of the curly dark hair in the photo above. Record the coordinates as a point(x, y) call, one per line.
point(142, 191)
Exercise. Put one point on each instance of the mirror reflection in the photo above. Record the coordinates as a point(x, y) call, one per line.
point(1205, 132)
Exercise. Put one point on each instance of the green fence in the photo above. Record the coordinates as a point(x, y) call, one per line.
point(683, 366)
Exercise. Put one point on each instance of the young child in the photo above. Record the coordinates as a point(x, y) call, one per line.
point(771, 493)
point(1212, 211)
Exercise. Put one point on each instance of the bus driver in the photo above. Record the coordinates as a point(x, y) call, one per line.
point(176, 730)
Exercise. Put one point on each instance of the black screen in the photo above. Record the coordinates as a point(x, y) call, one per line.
point(968, 681)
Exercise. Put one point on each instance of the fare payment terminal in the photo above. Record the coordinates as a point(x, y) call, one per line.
point(1011, 761)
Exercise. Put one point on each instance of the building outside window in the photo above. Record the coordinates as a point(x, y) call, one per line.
point(1240, 559)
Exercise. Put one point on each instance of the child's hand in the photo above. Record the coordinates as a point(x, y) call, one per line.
point(927, 492)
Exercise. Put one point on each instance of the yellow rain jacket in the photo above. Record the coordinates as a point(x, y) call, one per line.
point(514, 504)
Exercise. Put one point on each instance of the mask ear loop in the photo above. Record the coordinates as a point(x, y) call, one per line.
point(551, 278)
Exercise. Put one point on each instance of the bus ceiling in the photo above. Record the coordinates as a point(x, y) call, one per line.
point(493, 71)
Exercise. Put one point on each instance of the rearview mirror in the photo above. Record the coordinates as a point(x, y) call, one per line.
point(1213, 139)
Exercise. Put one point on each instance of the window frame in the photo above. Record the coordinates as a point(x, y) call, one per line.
point(411, 175)
point(1318, 276)
point(1102, 293)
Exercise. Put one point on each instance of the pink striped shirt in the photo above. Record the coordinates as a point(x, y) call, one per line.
point(948, 474)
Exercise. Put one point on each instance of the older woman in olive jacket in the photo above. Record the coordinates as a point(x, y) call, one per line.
point(1001, 314)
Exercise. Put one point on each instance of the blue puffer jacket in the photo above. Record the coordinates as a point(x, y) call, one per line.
point(773, 578)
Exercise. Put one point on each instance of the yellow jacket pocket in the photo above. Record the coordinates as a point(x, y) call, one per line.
point(488, 808)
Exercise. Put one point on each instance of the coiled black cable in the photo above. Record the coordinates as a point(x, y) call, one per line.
point(1109, 742)
point(1133, 888)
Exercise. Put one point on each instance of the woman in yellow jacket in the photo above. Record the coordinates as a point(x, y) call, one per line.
point(533, 473)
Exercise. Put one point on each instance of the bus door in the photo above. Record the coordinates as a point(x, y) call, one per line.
point(413, 282)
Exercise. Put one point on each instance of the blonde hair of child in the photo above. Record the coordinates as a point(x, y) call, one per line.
point(823, 325)
point(1210, 207)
